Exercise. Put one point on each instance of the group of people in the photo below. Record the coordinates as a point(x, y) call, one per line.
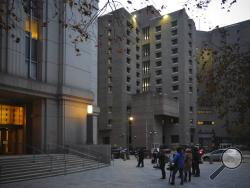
point(186, 162)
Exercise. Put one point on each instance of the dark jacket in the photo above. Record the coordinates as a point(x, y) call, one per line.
point(162, 159)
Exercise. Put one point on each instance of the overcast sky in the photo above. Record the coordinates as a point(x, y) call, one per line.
point(206, 19)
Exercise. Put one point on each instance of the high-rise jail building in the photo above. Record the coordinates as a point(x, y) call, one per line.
point(212, 130)
point(146, 78)
point(45, 87)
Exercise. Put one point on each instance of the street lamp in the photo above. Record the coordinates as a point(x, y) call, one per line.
point(129, 131)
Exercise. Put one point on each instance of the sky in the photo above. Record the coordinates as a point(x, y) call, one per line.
point(205, 19)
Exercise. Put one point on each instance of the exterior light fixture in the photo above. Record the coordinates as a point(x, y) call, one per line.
point(90, 109)
point(131, 118)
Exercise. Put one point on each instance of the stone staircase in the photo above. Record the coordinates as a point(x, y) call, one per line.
point(26, 167)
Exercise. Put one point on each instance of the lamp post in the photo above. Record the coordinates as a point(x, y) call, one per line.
point(129, 131)
point(89, 124)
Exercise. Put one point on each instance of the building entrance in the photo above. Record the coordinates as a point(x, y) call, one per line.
point(12, 126)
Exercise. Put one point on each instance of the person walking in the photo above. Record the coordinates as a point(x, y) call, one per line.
point(178, 165)
point(162, 163)
point(196, 161)
point(141, 158)
point(188, 164)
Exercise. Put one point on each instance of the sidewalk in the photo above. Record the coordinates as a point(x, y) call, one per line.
point(124, 174)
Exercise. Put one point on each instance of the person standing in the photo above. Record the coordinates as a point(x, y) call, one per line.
point(162, 162)
point(188, 164)
point(196, 161)
point(178, 165)
point(141, 158)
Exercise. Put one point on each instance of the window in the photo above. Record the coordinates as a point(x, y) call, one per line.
point(174, 32)
point(109, 61)
point(128, 42)
point(190, 108)
point(137, 48)
point(158, 90)
point(145, 33)
point(174, 138)
point(128, 51)
point(137, 39)
point(128, 88)
point(158, 37)
point(109, 89)
point(110, 109)
point(158, 63)
point(175, 88)
point(109, 70)
point(190, 71)
point(158, 46)
point(190, 53)
point(175, 69)
point(174, 23)
point(175, 78)
point(137, 65)
point(190, 26)
point(158, 81)
point(128, 60)
point(128, 79)
point(145, 67)
point(138, 91)
point(109, 42)
point(175, 60)
point(129, 25)
point(190, 35)
point(109, 32)
point(137, 31)
point(158, 72)
point(190, 79)
point(158, 54)
point(137, 83)
point(109, 121)
point(190, 62)
point(128, 70)
point(190, 89)
point(137, 57)
point(109, 51)
point(128, 32)
point(174, 50)
point(145, 84)
point(174, 41)
point(190, 44)
point(137, 74)
point(31, 46)
point(158, 28)
point(146, 50)
point(110, 80)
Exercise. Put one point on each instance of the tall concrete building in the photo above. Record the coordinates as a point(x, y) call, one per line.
point(210, 128)
point(45, 87)
point(146, 56)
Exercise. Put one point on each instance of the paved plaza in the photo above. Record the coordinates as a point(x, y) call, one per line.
point(124, 174)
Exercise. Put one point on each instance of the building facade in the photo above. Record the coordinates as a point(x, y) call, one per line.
point(145, 52)
point(45, 87)
point(211, 129)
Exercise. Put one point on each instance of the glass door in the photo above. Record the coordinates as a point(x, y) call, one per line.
point(4, 140)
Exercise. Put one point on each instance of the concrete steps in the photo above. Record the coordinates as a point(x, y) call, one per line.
point(29, 167)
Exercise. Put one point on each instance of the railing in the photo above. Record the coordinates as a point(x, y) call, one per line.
point(99, 153)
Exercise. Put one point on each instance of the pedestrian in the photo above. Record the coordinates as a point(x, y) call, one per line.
point(162, 162)
point(178, 165)
point(188, 164)
point(196, 162)
point(155, 153)
point(141, 158)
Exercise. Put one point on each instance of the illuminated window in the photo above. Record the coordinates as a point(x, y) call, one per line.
point(145, 84)
point(11, 115)
point(145, 67)
point(146, 50)
point(145, 33)
point(31, 46)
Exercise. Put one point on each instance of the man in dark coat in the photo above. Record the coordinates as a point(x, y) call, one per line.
point(162, 162)
point(141, 158)
point(196, 161)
